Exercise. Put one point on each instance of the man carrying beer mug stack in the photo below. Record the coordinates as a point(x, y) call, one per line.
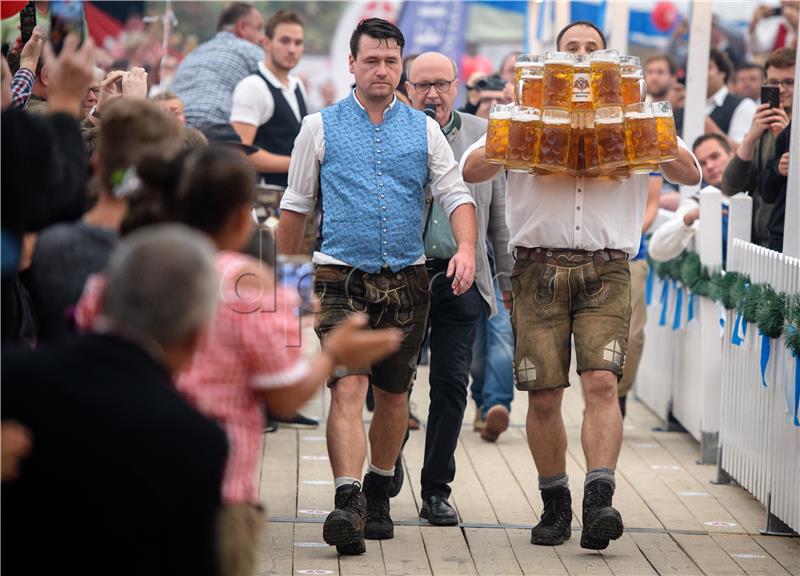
point(572, 237)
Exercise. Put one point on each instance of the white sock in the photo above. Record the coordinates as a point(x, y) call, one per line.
point(344, 481)
point(380, 471)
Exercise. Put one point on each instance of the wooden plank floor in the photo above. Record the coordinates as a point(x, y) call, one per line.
point(676, 521)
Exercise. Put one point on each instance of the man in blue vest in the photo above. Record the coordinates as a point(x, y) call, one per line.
point(370, 158)
point(269, 106)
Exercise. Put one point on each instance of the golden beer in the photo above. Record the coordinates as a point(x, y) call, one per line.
point(606, 78)
point(609, 130)
point(633, 90)
point(527, 64)
point(641, 137)
point(665, 128)
point(530, 91)
point(555, 139)
point(582, 159)
point(581, 83)
point(523, 138)
point(497, 134)
point(557, 80)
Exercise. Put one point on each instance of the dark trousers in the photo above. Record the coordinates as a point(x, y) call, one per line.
point(451, 322)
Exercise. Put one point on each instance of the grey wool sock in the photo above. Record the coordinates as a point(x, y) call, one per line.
point(557, 481)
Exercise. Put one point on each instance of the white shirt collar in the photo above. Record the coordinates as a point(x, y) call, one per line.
point(389, 107)
point(718, 98)
point(293, 80)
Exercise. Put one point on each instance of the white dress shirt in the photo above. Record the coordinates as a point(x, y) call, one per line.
point(742, 116)
point(253, 102)
point(674, 236)
point(444, 178)
point(579, 213)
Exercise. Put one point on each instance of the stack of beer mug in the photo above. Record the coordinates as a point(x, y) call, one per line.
point(583, 115)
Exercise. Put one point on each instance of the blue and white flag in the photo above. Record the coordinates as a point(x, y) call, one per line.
point(434, 26)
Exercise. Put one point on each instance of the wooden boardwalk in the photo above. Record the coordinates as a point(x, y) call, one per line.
point(676, 521)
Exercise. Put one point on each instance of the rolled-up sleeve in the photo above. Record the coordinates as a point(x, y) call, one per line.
point(303, 182)
point(682, 144)
point(447, 186)
point(463, 160)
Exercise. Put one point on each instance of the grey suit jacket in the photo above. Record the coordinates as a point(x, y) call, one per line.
point(490, 199)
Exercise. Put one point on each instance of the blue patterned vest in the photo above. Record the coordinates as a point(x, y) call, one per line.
point(372, 181)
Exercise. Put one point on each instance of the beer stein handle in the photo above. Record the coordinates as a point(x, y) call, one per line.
point(642, 90)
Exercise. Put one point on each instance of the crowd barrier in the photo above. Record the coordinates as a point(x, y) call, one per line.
point(759, 432)
point(702, 368)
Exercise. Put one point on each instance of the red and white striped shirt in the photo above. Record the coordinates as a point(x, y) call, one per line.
point(253, 345)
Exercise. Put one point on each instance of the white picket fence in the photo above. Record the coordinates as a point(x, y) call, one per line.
point(759, 439)
point(679, 374)
point(691, 370)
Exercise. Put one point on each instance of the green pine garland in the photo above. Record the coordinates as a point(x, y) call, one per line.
point(774, 313)
point(791, 325)
point(748, 306)
point(769, 314)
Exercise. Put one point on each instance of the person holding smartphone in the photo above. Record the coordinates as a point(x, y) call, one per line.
point(772, 27)
point(758, 145)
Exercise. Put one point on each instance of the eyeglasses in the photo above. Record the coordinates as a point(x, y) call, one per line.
point(441, 86)
point(786, 83)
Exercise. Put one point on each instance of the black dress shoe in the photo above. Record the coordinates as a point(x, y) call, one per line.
point(437, 510)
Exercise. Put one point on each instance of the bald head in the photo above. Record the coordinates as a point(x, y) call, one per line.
point(433, 82)
point(428, 60)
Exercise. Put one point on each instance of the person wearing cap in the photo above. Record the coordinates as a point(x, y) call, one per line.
point(572, 237)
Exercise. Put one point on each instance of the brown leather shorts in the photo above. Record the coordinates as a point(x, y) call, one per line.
point(391, 300)
point(564, 294)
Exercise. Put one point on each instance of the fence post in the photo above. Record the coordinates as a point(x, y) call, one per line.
point(791, 234)
point(740, 220)
point(709, 247)
point(696, 77)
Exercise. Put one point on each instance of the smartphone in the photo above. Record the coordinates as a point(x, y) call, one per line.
point(771, 95)
point(65, 16)
point(27, 22)
point(774, 12)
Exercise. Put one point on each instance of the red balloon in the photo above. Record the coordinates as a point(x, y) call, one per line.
point(9, 8)
point(663, 16)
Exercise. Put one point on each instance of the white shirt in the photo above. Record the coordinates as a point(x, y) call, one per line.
point(579, 213)
point(444, 179)
point(742, 116)
point(762, 40)
point(674, 236)
point(253, 102)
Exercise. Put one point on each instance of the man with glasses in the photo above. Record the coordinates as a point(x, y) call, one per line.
point(758, 145)
point(432, 86)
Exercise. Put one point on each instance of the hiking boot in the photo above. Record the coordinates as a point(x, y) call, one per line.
point(379, 525)
point(554, 527)
point(344, 527)
point(601, 522)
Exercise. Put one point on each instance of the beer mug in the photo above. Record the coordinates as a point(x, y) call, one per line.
point(523, 138)
point(582, 159)
point(529, 91)
point(524, 63)
point(665, 128)
point(557, 80)
point(581, 83)
point(497, 133)
point(606, 78)
point(554, 148)
point(633, 89)
point(641, 137)
point(609, 130)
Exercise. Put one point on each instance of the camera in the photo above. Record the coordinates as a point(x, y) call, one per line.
point(493, 82)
